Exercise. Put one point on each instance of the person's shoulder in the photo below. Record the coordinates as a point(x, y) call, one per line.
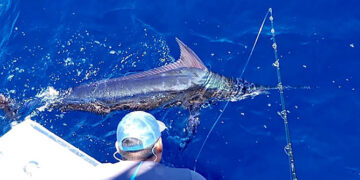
point(196, 176)
point(110, 170)
point(193, 175)
point(118, 165)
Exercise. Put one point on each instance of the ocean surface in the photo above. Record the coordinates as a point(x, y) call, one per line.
point(62, 44)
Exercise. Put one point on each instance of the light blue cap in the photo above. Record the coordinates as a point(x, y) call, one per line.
point(140, 125)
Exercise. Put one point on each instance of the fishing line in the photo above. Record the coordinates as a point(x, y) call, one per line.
point(253, 47)
point(227, 102)
point(283, 113)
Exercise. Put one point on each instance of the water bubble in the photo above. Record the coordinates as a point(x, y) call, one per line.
point(10, 77)
point(68, 61)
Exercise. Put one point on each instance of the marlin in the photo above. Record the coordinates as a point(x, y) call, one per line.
point(186, 82)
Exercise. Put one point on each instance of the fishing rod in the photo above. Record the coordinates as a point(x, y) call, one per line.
point(283, 113)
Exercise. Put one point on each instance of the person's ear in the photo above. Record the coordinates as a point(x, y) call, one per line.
point(159, 146)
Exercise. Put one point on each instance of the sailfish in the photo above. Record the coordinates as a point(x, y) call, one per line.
point(186, 82)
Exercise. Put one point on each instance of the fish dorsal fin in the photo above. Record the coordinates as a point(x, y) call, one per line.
point(187, 59)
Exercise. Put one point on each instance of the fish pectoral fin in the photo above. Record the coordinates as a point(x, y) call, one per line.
point(193, 120)
point(193, 123)
point(191, 128)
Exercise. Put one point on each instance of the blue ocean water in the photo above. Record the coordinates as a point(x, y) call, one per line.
point(66, 43)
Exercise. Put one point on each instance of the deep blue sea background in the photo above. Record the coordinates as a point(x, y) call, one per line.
point(66, 43)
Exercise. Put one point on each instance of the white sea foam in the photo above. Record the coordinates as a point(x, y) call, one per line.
point(49, 96)
point(49, 93)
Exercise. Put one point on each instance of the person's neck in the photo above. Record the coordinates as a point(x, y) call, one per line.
point(153, 158)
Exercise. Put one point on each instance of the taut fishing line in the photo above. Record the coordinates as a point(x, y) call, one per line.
point(283, 113)
point(227, 102)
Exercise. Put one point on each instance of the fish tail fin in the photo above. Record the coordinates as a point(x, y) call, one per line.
point(7, 105)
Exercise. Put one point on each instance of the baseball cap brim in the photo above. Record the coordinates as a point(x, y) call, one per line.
point(162, 126)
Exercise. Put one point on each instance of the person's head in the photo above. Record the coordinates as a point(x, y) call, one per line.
point(139, 137)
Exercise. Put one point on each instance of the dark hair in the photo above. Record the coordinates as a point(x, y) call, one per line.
point(135, 155)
